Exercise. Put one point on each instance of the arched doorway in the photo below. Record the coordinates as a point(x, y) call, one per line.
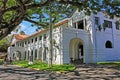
point(76, 50)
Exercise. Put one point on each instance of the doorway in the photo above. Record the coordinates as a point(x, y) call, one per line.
point(76, 50)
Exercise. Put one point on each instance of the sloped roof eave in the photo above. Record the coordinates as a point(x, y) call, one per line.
point(56, 25)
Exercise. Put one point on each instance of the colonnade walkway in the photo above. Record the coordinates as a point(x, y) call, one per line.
point(82, 72)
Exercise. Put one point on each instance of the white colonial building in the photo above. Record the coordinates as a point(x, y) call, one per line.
point(81, 38)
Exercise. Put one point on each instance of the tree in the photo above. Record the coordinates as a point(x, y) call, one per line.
point(22, 32)
point(4, 45)
point(13, 12)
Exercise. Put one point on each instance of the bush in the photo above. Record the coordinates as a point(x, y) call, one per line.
point(1, 61)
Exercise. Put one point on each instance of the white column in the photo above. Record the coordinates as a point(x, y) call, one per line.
point(38, 53)
point(76, 25)
point(42, 47)
point(84, 25)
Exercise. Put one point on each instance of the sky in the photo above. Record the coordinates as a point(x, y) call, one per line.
point(27, 28)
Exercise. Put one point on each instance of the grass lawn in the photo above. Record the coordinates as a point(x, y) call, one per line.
point(116, 64)
point(43, 66)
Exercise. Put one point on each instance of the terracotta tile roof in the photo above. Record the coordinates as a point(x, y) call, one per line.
point(20, 37)
point(56, 25)
point(61, 22)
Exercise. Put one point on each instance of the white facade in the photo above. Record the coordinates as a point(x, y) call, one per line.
point(81, 38)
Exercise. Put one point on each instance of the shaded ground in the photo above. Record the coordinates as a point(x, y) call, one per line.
point(82, 72)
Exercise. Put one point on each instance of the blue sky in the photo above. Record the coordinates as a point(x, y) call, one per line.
point(27, 28)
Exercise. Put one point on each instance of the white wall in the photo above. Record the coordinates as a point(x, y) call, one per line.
point(111, 34)
point(69, 34)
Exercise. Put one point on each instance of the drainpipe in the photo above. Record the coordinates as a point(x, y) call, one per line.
point(94, 36)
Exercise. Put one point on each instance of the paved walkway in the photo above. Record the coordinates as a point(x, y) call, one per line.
point(82, 72)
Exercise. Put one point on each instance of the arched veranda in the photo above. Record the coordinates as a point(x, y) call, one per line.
point(17, 55)
point(76, 50)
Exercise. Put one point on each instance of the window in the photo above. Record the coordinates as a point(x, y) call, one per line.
point(108, 44)
point(107, 24)
point(32, 40)
point(13, 45)
point(97, 20)
point(36, 39)
point(80, 25)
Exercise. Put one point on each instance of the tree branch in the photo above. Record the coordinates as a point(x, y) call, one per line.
point(43, 25)
point(29, 6)
point(74, 3)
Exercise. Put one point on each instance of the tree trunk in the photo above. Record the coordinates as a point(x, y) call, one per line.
point(50, 45)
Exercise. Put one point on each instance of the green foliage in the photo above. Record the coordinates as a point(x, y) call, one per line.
point(116, 64)
point(11, 3)
point(8, 15)
point(20, 63)
point(41, 15)
point(4, 45)
point(37, 12)
point(43, 66)
point(22, 32)
point(62, 68)
point(109, 63)
point(1, 61)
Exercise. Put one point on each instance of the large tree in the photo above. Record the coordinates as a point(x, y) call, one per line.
point(13, 12)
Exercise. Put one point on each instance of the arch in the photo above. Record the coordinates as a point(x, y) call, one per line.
point(76, 50)
point(17, 55)
point(25, 56)
point(31, 56)
point(28, 55)
point(36, 54)
point(108, 44)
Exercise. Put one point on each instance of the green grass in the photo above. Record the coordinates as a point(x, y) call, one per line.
point(43, 66)
point(116, 64)
point(109, 63)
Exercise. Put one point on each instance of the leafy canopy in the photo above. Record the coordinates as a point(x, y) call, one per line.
point(13, 12)
point(4, 45)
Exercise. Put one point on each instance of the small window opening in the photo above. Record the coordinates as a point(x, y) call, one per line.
point(108, 44)
point(80, 25)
